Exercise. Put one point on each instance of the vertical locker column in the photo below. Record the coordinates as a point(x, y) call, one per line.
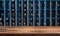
point(25, 12)
point(4, 13)
point(36, 13)
point(56, 23)
point(13, 13)
point(10, 5)
point(19, 13)
point(45, 13)
point(28, 13)
point(53, 12)
point(39, 12)
point(58, 12)
point(16, 18)
point(7, 13)
point(42, 13)
point(1, 13)
point(22, 12)
point(33, 12)
point(50, 13)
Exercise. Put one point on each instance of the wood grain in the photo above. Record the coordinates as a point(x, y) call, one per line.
point(30, 30)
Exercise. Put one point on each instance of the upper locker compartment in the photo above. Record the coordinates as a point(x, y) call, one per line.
point(1, 5)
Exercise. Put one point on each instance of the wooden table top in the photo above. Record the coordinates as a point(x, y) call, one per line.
point(30, 30)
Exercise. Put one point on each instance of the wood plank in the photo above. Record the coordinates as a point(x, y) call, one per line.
point(30, 30)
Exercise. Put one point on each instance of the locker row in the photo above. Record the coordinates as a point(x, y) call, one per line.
point(29, 12)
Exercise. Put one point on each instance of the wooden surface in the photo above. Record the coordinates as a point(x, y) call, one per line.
point(30, 30)
point(31, 35)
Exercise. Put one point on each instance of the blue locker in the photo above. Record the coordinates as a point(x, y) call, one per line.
point(29, 13)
